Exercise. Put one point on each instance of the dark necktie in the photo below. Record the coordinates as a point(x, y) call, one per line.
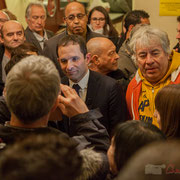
point(76, 87)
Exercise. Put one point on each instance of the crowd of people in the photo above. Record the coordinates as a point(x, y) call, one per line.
point(88, 103)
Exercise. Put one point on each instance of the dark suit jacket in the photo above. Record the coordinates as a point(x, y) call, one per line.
point(104, 93)
point(32, 39)
point(2, 49)
point(50, 47)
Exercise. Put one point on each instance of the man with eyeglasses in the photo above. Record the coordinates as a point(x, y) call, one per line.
point(76, 23)
point(35, 32)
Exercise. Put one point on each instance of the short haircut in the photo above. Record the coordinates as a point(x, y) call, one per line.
point(130, 136)
point(49, 156)
point(19, 53)
point(32, 87)
point(73, 39)
point(178, 19)
point(28, 9)
point(157, 161)
point(167, 103)
point(134, 17)
point(145, 35)
point(9, 14)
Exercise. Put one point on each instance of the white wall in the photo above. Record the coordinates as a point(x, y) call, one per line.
point(166, 23)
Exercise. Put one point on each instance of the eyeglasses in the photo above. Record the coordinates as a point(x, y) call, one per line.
point(97, 19)
point(72, 17)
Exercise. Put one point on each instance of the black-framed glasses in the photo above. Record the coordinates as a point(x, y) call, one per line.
point(72, 17)
point(97, 19)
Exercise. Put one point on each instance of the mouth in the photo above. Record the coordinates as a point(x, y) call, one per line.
point(151, 70)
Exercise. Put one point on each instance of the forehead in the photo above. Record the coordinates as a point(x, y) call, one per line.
point(74, 8)
point(69, 50)
point(148, 43)
point(37, 9)
point(97, 14)
point(12, 27)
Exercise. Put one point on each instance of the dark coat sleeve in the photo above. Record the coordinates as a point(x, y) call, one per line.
point(92, 132)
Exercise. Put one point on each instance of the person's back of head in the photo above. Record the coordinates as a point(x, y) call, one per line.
point(95, 165)
point(32, 87)
point(167, 103)
point(129, 137)
point(157, 161)
point(22, 51)
point(47, 156)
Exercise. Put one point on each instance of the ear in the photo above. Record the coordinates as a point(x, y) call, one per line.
point(1, 39)
point(88, 57)
point(129, 31)
point(95, 60)
point(64, 20)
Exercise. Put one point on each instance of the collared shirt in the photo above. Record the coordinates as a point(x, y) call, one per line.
point(41, 39)
point(5, 60)
point(83, 83)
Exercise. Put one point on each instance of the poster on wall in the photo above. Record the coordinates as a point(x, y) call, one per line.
point(169, 8)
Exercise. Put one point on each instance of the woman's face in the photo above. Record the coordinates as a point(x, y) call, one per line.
point(97, 20)
point(110, 154)
point(157, 116)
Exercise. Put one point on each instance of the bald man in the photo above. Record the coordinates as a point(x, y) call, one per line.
point(104, 59)
point(75, 19)
point(12, 35)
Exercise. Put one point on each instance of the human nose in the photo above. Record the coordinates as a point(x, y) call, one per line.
point(76, 20)
point(39, 20)
point(69, 65)
point(149, 59)
point(15, 37)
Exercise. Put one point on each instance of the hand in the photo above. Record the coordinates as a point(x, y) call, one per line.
point(71, 104)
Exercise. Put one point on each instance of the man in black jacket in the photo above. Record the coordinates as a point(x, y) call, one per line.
point(35, 33)
point(32, 94)
point(96, 90)
point(76, 23)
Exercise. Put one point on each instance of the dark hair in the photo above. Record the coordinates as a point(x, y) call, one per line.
point(74, 39)
point(45, 156)
point(19, 53)
point(134, 17)
point(178, 19)
point(112, 31)
point(167, 103)
point(130, 136)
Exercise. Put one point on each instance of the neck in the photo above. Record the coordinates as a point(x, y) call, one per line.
point(7, 53)
point(42, 122)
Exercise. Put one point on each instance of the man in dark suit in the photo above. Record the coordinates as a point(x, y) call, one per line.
point(76, 22)
point(12, 35)
point(98, 91)
point(35, 32)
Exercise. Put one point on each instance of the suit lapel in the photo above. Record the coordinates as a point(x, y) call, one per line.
point(92, 89)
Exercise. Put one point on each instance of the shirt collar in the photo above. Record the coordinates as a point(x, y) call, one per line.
point(40, 38)
point(83, 82)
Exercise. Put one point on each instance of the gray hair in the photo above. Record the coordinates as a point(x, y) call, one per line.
point(32, 87)
point(28, 9)
point(145, 35)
